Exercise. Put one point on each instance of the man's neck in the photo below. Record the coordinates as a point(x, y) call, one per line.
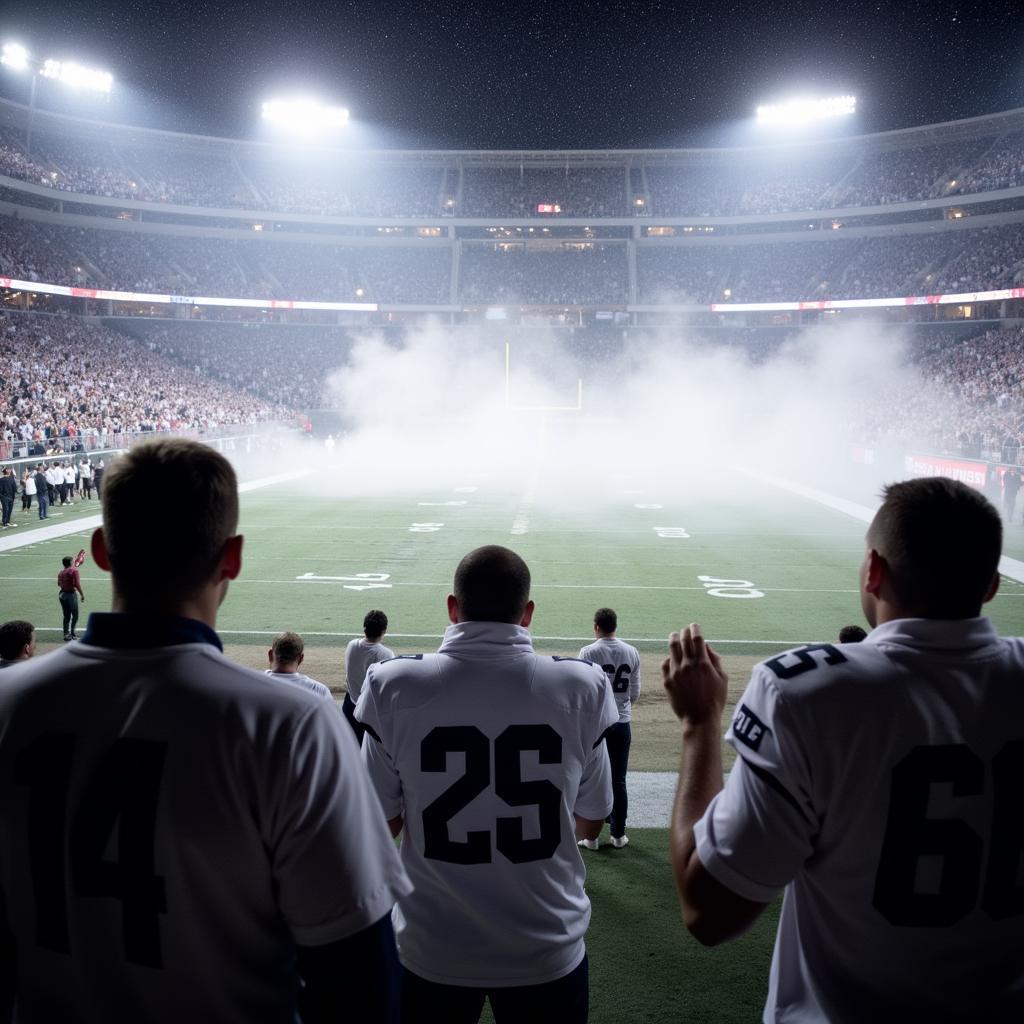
point(285, 670)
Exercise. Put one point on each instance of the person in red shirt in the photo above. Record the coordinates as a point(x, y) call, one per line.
point(69, 590)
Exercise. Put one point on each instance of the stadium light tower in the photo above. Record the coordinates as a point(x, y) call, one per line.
point(797, 112)
point(70, 73)
point(306, 116)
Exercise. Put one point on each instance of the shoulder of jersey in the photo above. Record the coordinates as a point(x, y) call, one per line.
point(811, 665)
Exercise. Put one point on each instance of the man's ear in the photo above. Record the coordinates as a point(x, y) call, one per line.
point(875, 572)
point(270, 655)
point(993, 587)
point(527, 614)
point(453, 609)
point(302, 658)
point(98, 547)
point(231, 559)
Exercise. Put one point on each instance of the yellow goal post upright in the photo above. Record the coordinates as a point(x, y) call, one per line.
point(544, 413)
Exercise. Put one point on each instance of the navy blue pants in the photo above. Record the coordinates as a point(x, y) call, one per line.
point(618, 738)
point(349, 709)
point(565, 1001)
point(7, 504)
point(69, 606)
point(44, 504)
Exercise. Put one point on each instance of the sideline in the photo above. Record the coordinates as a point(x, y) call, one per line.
point(1012, 568)
point(87, 523)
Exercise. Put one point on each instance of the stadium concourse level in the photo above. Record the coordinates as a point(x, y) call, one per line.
point(728, 183)
point(570, 273)
point(68, 385)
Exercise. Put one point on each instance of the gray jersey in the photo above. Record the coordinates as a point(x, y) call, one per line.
point(488, 750)
point(302, 681)
point(879, 784)
point(172, 826)
point(621, 663)
point(360, 654)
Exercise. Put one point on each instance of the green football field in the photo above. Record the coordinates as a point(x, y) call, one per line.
point(761, 568)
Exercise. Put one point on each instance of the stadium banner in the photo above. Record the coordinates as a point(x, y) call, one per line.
point(193, 300)
point(960, 298)
point(966, 470)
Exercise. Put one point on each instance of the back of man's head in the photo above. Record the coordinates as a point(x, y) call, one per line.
point(172, 502)
point(287, 648)
point(16, 640)
point(375, 624)
point(852, 634)
point(941, 541)
point(606, 620)
point(492, 584)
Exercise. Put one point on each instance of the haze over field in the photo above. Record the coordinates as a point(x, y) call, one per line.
point(660, 411)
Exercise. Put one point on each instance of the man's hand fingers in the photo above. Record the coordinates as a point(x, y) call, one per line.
point(693, 642)
point(675, 649)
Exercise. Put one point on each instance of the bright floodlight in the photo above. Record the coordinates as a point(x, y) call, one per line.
point(76, 76)
point(304, 115)
point(801, 111)
point(15, 56)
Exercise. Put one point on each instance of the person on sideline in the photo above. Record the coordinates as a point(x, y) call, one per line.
point(182, 838)
point(876, 784)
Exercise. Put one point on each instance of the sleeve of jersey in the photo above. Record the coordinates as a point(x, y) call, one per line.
point(336, 868)
point(594, 798)
point(634, 684)
point(758, 831)
point(379, 765)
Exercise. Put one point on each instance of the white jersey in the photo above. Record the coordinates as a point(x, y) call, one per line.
point(621, 664)
point(302, 681)
point(172, 826)
point(69, 474)
point(360, 654)
point(488, 750)
point(879, 783)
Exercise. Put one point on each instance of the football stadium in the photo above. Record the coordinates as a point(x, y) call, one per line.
point(673, 380)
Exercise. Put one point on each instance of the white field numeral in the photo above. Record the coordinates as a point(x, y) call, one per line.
point(718, 587)
point(425, 527)
point(670, 531)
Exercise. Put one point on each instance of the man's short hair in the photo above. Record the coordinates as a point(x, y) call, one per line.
point(288, 647)
point(852, 634)
point(375, 624)
point(66, 561)
point(172, 501)
point(606, 620)
point(941, 541)
point(15, 636)
point(492, 584)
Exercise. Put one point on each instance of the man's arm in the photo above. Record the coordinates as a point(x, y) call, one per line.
point(370, 956)
point(395, 825)
point(697, 687)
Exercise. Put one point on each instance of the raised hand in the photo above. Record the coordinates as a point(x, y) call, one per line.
point(693, 676)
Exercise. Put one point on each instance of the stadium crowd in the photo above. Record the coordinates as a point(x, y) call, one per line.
point(68, 385)
point(223, 175)
point(966, 398)
point(571, 273)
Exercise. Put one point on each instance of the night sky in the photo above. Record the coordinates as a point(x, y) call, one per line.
point(522, 75)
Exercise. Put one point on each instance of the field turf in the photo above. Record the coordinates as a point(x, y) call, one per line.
point(316, 564)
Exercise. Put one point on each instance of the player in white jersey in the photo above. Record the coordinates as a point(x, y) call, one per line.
point(286, 654)
point(877, 783)
point(182, 838)
point(490, 760)
point(621, 664)
point(360, 654)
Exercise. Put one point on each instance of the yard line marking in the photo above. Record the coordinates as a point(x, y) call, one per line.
point(1010, 567)
point(521, 523)
point(91, 522)
point(779, 644)
point(442, 584)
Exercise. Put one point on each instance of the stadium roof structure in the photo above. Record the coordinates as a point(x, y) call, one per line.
point(13, 113)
